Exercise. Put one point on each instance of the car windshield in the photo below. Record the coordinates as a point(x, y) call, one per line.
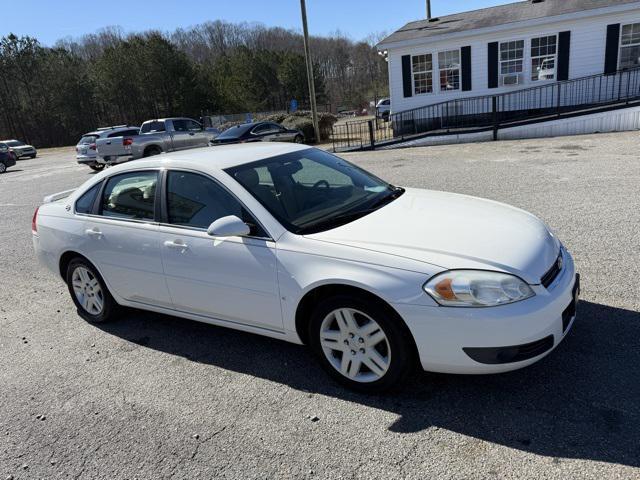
point(237, 131)
point(88, 139)
point(14, 143)
point(311, 190)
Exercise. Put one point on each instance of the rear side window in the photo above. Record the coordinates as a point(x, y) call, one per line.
point(152, 127)
point(85, 203)
point(180, 125)
point(130, 196)
point(88, 139)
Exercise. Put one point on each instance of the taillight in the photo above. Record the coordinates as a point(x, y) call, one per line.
point(127, 141)
point(34, 221)
point(92, 146)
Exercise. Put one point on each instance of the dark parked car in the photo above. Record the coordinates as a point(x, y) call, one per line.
point(7, 158)
point(259, 132)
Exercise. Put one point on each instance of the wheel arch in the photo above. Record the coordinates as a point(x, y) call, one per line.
point(150, 148)
point(320, 292)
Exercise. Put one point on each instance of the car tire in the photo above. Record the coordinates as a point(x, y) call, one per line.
point(298, 139)
point(89, 292)
point(151, 151)
point(97, 167)
point(380, 352)
point(3, 167)
point(33, 156)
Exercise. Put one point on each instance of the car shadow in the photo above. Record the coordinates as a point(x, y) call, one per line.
point(582, 401)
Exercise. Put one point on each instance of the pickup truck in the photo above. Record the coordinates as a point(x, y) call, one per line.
point(155, 137)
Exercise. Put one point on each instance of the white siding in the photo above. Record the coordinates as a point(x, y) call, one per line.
point(587, 52)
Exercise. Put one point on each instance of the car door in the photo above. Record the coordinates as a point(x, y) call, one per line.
point(263, 133)
point(231, 278)
point(198, 137)
point(122, 238)
point(181, 137)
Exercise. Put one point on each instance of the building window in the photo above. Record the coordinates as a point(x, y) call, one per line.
point(422, 67)
point(543, 58)
point(449, 66)
point(511, 61)
point(630, 46)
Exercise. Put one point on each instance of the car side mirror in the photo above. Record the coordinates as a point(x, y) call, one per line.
point(230, 226)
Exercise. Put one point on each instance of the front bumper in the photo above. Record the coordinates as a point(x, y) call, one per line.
point(27, 152)
point(518, 334)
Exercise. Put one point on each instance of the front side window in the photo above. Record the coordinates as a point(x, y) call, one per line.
point(196, 201)
point(630, 46)
point(311, 190)
point(130, 196)
point(449, 66)
point(511, 59)
point(543, 58)
point(193, 126)
point(85, 203)
point(422, 68)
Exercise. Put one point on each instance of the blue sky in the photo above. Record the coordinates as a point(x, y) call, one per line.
point(50, 20)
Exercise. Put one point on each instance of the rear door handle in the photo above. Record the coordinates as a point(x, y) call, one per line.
point(93, 232)
point(176, 244)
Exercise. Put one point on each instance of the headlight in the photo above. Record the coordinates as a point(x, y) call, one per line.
point(476, 288)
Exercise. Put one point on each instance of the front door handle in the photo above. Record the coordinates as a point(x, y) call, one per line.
point(93, 232)
point(176, 244)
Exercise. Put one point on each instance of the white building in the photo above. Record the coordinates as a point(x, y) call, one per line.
point(509, 47)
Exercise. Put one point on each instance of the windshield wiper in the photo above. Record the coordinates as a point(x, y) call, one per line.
point(343, 218)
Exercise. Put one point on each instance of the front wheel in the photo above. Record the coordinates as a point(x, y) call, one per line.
point(3, 167)
point(97, 167)
point(33, 156)
point(298, 139)
point(361, 343)
point(89, 292)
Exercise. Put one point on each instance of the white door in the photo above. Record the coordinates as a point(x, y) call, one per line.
point(122, 239)
point(233, 278)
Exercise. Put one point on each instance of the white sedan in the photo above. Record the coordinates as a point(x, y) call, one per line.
point(294, 243)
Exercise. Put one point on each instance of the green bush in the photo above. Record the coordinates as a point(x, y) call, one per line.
point(301, 120)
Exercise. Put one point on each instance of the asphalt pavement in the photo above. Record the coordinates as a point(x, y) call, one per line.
point(153, 396)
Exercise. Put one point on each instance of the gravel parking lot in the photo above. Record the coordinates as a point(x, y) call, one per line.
point(152, 396)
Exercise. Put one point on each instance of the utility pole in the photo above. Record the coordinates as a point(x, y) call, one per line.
point(312, 86)
point(428, 9)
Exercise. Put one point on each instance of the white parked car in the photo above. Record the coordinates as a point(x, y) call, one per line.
point(20, 149)
point(86, 149)
point(291, 242)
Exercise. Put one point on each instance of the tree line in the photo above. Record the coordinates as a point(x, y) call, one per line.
point(49, 96)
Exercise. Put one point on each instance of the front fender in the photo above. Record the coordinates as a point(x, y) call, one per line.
point(300, 273)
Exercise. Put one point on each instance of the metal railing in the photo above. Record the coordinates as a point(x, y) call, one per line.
point(492, 112)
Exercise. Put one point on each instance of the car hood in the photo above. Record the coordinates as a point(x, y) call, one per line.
point(454, 231)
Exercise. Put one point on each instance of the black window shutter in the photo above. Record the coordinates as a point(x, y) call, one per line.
point(407, 84)
point(611, 51)
point(564, 47)
point(492, 67)
point(465, 53)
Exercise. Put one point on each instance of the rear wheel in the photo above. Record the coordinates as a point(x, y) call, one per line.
point(361, 343)
point(151, 151)
point(299, 139)
point(89, 292)
point(96, 166)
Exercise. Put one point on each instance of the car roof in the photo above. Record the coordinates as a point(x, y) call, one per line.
point(110, 130)
point(211, 159)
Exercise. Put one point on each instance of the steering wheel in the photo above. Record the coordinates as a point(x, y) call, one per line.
point(321, 182)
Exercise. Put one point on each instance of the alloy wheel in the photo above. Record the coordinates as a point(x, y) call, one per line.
point(355, 345)
point(87, 290)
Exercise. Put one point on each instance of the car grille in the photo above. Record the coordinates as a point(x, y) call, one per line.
point(548, 278)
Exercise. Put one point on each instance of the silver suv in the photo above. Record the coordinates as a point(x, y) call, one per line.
point(86, 153)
